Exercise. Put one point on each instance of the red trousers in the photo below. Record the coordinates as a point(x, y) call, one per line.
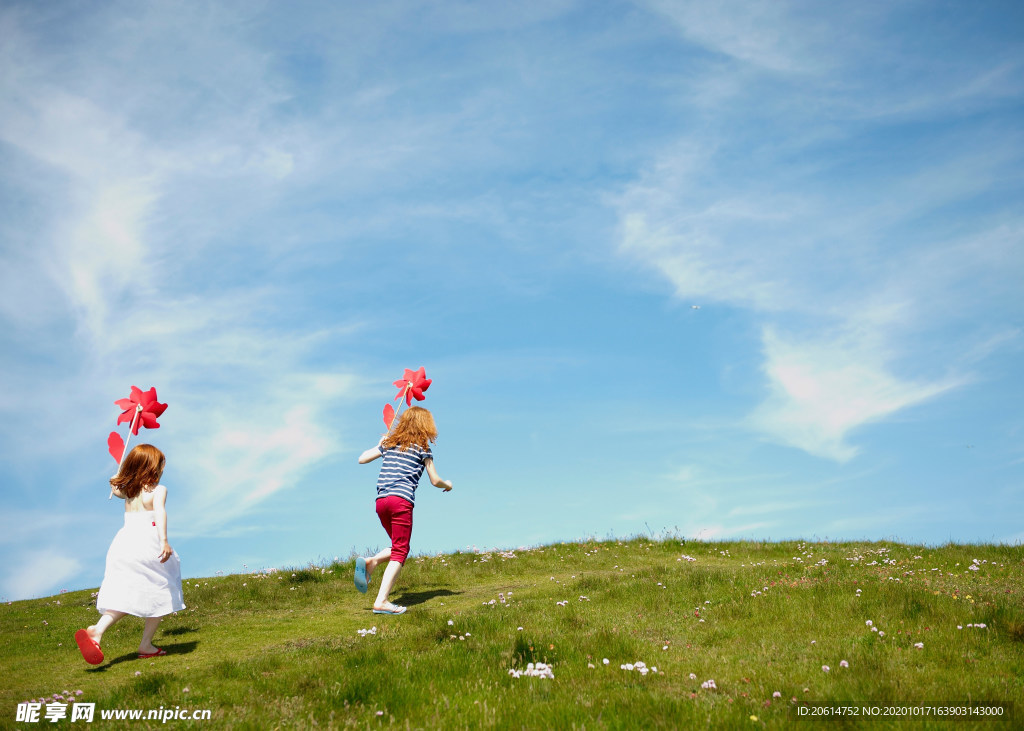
point(395, 515)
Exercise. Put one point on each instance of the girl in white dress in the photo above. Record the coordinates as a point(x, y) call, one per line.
point(143, 573)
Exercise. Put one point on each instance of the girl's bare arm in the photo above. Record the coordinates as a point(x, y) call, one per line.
point(435, 479)
point(160, 510)
point(371, 454)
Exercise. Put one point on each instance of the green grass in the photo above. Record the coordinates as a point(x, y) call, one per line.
point(283, 650)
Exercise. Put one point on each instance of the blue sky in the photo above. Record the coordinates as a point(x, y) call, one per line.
point(735, 269)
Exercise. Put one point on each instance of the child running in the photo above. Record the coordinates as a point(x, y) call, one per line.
point(143, 573)
point(406, 453)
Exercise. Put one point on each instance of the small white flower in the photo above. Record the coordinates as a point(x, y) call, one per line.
point(919, 645)
point(450, 623)
point(540, 670)
point(881, 633)
point(825, 668)
point(692, 676)
point(844, 664)
point(869, 622)
point(605, 661)
point(776, 694)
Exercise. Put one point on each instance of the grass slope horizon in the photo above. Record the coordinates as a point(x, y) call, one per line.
point(633, 630)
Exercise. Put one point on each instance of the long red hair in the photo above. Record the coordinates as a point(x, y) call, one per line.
point(415, 427)
point(142, 467)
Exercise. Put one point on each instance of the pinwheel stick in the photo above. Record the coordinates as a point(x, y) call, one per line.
point(138, 412)
point(401, 398)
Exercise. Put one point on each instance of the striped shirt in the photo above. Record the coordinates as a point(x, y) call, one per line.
point(400, 472)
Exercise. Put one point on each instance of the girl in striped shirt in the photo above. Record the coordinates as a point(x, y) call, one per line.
point(406, 453)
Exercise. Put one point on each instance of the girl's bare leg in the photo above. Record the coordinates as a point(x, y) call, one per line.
point(387, 582)
point(375, 561)
point(146, 646)
point(108, 618)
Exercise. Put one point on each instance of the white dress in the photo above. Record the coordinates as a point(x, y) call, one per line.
point(135, 581)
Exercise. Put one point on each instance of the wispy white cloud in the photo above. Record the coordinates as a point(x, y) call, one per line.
point(848, 68)
point(287, 428)
point(756, 32)
point(831, 259)
point(39, 572)
point(97, 245)
point(834, 370)
point(18, 526)
point(247, 413)
point(822, 390)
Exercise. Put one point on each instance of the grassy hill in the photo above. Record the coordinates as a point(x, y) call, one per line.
point(298, 648)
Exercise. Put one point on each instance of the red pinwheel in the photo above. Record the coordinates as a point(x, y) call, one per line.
point(411, 386)
point(140, 408)
point(144, 404)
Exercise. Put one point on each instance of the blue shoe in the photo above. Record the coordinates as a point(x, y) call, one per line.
point(360, 577)
point(391, 609)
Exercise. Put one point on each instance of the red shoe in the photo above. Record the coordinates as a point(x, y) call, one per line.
point(159, 652)
point(90, 649)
